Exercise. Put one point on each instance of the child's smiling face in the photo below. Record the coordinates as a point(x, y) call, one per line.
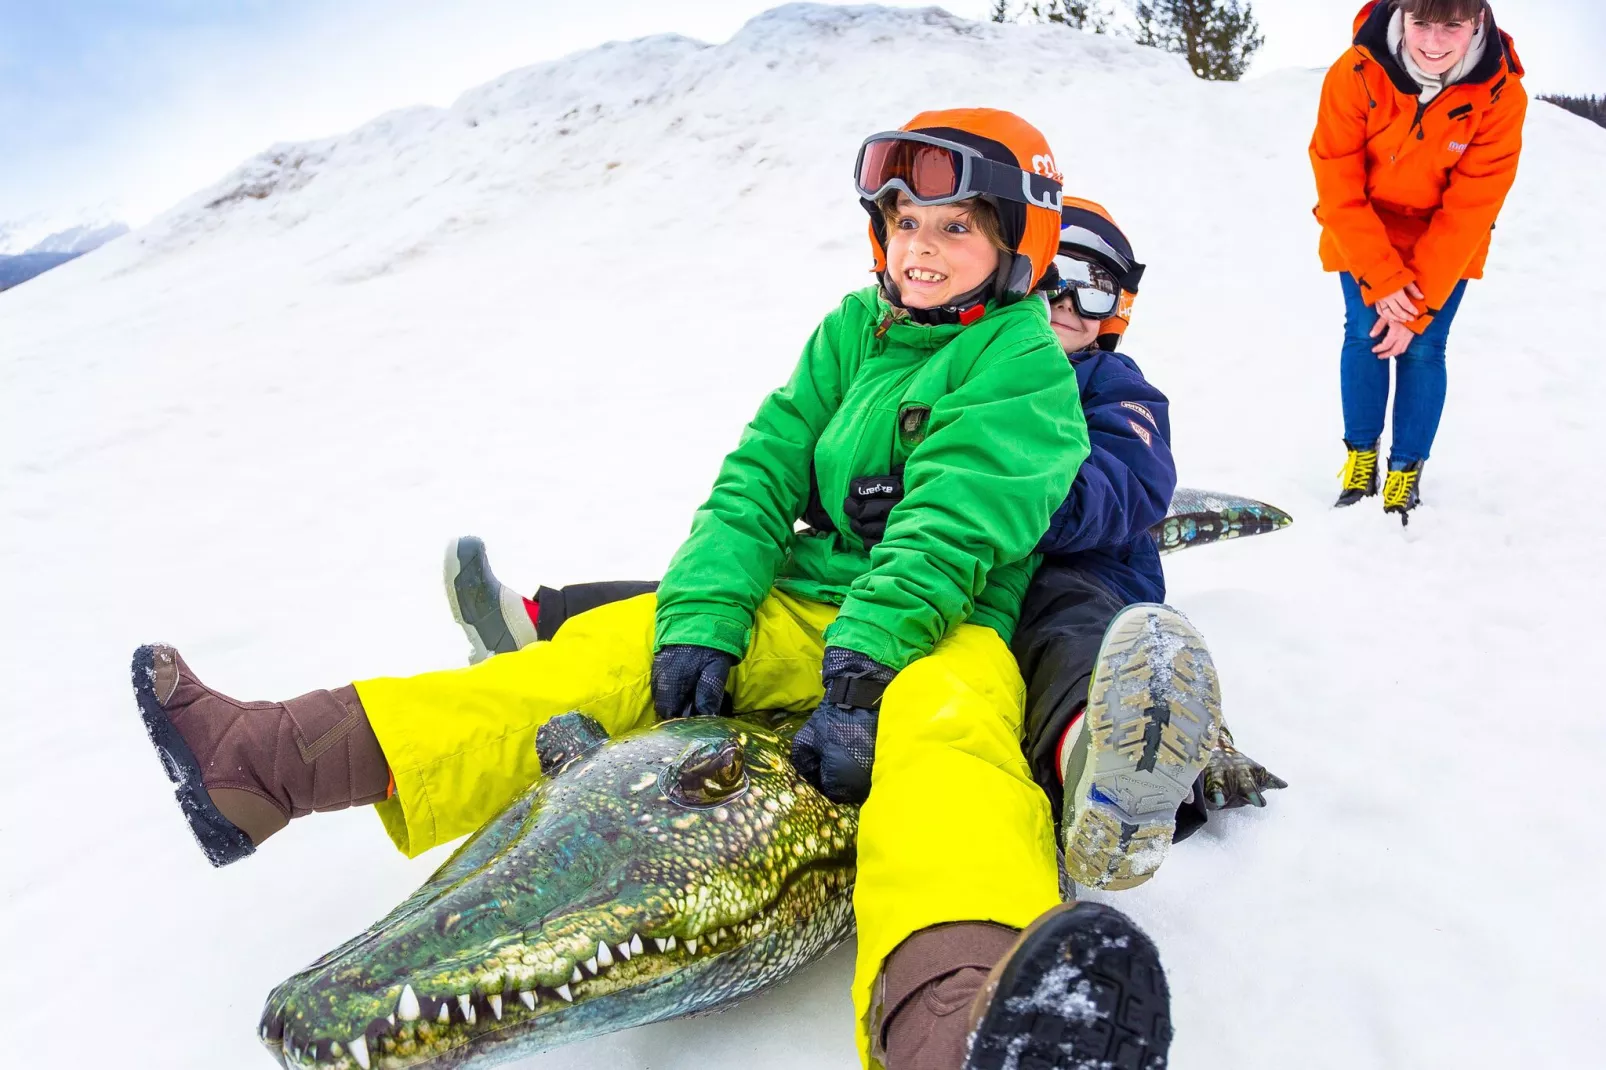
point(936, 254)
point(1074, 332)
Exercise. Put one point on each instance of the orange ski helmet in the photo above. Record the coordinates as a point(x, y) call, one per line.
point(1087, 230)
point(1031, 221)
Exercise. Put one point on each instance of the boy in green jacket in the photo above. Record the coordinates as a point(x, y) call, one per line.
point(949, 371)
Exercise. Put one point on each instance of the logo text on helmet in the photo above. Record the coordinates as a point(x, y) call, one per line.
point(1043, 164)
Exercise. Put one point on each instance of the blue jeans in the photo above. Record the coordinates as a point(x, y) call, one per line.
point(1420, 379)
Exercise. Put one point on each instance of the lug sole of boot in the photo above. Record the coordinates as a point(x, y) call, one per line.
point(469, 581)
point(1153, 718)
point(1083, 989)
point(221, 840)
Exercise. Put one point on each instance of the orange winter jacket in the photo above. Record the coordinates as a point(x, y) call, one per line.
point(1409, 192)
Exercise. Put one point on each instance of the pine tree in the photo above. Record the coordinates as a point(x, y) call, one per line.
point(1000, 12)
point(1089, 15)
point(1219, 37)
point(1591, 108)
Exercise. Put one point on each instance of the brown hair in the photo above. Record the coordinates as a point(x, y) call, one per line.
point(1442, 10)
point(983, 216)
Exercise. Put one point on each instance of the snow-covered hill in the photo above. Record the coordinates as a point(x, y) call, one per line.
point(543, 314)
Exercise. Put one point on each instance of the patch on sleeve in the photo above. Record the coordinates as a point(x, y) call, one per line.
point(1141, 411)
point(1141, 431)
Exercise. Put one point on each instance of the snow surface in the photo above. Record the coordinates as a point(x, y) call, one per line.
point(543, 314)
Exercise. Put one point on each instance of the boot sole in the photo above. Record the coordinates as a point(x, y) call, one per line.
point(467, 569)
point(221, 840)
point(1153, 717)
point(1083, 988)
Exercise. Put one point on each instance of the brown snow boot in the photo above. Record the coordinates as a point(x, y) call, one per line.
point(244, 769)
point(1082, 987)
point(926, 990)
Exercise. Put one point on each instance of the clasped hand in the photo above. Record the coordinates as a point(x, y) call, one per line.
point(1394, 314)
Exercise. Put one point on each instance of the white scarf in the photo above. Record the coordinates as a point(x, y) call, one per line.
point(1434, 84)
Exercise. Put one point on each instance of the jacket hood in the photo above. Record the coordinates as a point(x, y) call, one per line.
point(1372, 38)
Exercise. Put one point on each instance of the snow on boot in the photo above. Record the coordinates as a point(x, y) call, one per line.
point(495, 618)
point(1402, 492)
point(1358, 478)
point(1082, 989)
point(244, 769)
point(1152, 720)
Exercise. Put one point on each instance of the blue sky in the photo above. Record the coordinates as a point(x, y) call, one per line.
point(136, 103)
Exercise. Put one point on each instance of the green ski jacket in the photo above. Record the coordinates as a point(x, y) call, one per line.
point(986, 423)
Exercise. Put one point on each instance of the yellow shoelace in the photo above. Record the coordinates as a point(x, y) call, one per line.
point(1397, 490)
point(1359, 470)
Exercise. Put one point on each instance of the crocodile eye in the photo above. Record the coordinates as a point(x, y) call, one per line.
point(709, 773)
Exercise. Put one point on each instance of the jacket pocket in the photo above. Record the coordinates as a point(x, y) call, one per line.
point(914, 417)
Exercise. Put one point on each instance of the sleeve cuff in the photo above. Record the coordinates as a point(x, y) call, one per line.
point(1379, 285)
point(709, 624)
point(871, 640)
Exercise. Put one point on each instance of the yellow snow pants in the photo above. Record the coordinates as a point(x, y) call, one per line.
point(954, 829)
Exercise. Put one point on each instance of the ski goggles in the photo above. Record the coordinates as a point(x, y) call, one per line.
point(932, 170)
point(1094, 292)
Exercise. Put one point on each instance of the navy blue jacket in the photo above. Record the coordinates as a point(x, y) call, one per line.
point(1124, 486)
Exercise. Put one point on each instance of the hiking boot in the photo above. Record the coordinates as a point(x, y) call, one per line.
point(1152, 719)
point(496, 619)
point(244, 769)
point(1403, 490)
point(1358, 478)
point(1082, 987)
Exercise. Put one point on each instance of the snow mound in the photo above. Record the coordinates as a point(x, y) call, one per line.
point(542, 314)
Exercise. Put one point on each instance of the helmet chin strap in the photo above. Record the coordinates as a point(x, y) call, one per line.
point(968, 307)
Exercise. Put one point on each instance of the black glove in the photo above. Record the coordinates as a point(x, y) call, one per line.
point(868, 504)
point(835, 748)
point(1232, 779)
point(689, 681)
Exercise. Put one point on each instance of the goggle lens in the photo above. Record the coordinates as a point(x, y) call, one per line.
point(1093, 289)
point(930, 170)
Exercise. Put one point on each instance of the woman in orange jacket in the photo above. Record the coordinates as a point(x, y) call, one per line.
point(1415, 149)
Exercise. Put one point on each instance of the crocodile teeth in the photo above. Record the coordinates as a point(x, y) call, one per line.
point(604, 956)
point(635, 944)
point(391, 1018)
point(445, 1015)
point(591, 966)
point(576, 977)
point(624, 951)
point(496, 1005)
point(466, 1002)
point(407, 1006)
point(359, 1051)
point(563, 990)
point(691, 944)
point(663, 945)
point(724, 933)
point(528, 999)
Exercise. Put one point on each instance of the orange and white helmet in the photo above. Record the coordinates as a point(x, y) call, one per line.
point(940, 157)
point(1089, 235)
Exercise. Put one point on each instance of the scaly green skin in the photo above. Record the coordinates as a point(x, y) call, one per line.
point(1201, 517)
point(691, 852)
